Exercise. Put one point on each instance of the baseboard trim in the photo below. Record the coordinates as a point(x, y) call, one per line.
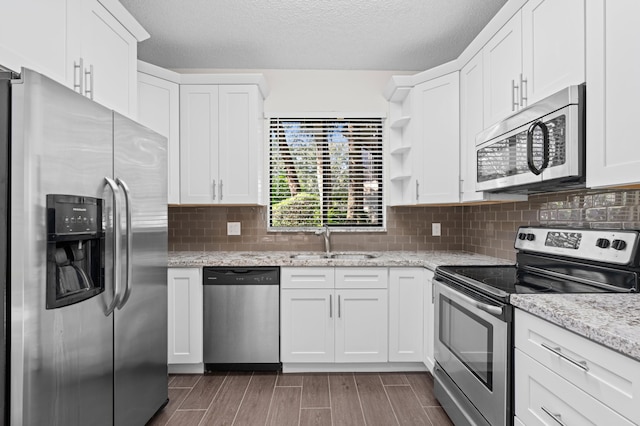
point(383, 367)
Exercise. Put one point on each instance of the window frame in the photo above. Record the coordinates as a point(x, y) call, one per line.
point(328, 115)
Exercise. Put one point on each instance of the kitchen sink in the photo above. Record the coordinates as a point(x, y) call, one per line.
point(352, 256)
point(308, 256)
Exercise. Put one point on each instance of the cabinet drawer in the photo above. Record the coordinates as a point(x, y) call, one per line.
point(304, 277)
point(362, 277)
point(606, 375)
point(544, 398)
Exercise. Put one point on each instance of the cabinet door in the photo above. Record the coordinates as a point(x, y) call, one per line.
point(439, 114)
point(185, 316)
point(33, 34)
point(502, 62)
point(429, 321)
point(406, 322)
point(199, 183)
point(158, 109)
point(553, 37)
point(306, 325)
point(111, 50)
point(361, 326)
point(613, 67)
point(471, 123)
point(240, 153)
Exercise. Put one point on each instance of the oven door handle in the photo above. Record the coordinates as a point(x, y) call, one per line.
point(496, 311)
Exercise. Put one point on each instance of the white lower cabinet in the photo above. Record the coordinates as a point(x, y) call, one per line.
point(321, 323)
point(406, 322)
point(306, 325)
point(564, 378)
point(361, 325)
point(429, 321)
point(185, 303)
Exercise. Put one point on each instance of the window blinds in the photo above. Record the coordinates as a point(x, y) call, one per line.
point(326, 171)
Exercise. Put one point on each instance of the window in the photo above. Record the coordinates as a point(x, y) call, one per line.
point(325, 172)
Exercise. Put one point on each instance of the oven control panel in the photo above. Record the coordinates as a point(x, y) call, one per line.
point(610, 246)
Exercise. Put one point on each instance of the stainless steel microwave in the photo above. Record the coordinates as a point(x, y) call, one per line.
point(538, 149)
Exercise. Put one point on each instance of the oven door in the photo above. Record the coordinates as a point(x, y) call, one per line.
point(472, 346)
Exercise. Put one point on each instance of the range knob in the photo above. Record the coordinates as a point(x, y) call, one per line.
point(522, 236)
point(531, 237)
point(618, 244)
point(602, 243)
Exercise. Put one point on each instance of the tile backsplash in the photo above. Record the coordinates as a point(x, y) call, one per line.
point(408, 229)
point(486, 229)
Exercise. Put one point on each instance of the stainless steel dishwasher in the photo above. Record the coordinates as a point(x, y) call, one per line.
point(242, 318)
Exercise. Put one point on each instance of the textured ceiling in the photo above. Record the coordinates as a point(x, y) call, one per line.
point(403, 35)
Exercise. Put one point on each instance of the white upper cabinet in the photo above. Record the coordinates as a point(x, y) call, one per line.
point(221, 146)
point(158, 109)
point(553, 46)
point(199, 144)
point(88, 45)
point(21, 37)
point(613, 67)
point(109, 59)
point(241, 152)
point(436, 158)
point(540, 51)
point(472, 123)
point(502, 57)
point(424, 142)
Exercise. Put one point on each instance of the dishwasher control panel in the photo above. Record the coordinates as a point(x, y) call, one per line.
point(237, 276)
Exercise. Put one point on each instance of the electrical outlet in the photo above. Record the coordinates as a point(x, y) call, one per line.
point(435, 229)
point(233, 228)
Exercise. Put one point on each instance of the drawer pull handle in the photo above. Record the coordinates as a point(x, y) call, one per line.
point(556, 417)
point(558, 351)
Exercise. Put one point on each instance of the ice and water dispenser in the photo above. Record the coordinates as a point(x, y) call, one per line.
point(75, 249)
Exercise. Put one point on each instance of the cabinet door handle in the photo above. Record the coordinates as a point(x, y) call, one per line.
point(88, 91)
point(220, 189)
point(514, 97)
point(556, 417)
point(558, 351)
point(77, 77)
point(523, 98)
point(417, 190)
point(214, 189)
point(339, 310)
point(330, 306)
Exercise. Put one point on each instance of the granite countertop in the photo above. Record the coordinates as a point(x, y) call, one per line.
point(612, 320)
point(427, 259)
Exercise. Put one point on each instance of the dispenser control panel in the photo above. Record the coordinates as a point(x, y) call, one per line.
point(72, 215)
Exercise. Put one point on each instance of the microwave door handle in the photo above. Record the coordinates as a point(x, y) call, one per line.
point(545, 147)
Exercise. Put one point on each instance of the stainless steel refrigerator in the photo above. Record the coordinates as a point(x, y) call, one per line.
point(87, 264)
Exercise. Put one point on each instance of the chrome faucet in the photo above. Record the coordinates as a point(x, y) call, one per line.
point(326, 233)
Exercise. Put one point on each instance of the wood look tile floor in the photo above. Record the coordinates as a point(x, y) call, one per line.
point(318, 399)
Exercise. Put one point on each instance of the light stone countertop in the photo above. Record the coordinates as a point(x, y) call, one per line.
point(612, 320)
point(427, 259)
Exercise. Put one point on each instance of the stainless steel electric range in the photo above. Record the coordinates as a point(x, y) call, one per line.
point(473, 326)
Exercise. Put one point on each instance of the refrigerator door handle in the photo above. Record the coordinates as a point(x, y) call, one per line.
point(116, 246)
point(129, 242)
